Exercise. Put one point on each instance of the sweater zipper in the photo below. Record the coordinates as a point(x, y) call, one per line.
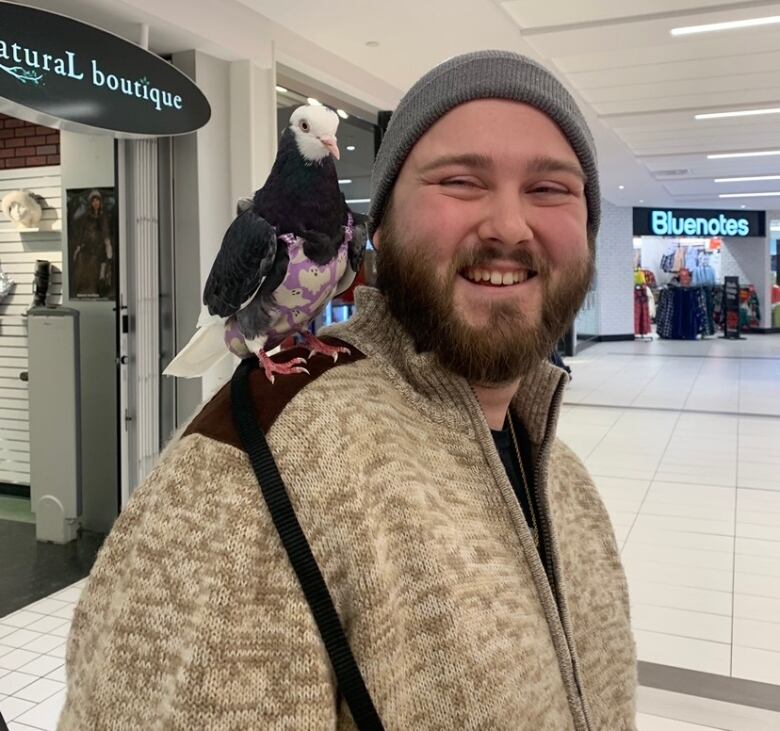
point(548, 560)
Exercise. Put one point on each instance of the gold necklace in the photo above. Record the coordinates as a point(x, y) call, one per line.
point(535, 528)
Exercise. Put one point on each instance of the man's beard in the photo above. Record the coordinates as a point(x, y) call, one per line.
point(507, 346)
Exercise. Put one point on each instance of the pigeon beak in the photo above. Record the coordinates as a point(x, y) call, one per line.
point(330, 142)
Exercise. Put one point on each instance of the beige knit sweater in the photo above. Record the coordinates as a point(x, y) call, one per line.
point(193, 619)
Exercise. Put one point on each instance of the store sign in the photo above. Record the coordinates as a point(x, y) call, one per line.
point(698, 223)
point(60, 72)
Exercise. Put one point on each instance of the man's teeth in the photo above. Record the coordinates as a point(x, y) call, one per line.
point(496, 278)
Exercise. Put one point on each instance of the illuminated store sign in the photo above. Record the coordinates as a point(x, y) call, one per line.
point(57, 71)
point(698, 223)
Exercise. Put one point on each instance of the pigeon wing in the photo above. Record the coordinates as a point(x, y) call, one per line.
point(244, 260)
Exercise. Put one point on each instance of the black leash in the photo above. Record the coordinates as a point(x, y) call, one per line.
point(350, 680)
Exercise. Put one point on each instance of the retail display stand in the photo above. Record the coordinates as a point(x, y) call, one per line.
point(731, 326)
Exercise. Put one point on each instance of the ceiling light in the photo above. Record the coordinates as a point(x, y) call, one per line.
point(358, 200)
point(641, 200)
point(342, 114)
point(743, 206)
point(351, 148)
point(281, 89)
point(730, 25)
point(725, 155)
point(750, 195)
point(748, 179)
point(345, 181)
point(622, 187)
point(314, 102)
point(740, 113)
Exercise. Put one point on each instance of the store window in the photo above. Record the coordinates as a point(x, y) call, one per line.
point(683, 257)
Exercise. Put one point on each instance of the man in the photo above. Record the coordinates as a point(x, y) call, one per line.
point(470, 559)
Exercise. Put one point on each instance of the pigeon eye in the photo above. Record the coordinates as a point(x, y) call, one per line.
point(304, 125)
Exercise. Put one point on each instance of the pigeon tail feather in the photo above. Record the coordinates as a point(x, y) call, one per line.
point(205, 349)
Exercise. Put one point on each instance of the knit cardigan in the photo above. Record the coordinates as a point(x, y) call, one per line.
point(192, 617)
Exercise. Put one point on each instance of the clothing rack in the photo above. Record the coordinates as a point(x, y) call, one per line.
point(685, 313)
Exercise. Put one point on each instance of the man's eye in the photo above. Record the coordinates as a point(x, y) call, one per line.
point(550, 189)
point(458, 182)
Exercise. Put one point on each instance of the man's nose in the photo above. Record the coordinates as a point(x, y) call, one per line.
point(505, 219)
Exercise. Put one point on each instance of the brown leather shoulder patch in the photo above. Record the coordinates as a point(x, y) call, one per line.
point(215, 420)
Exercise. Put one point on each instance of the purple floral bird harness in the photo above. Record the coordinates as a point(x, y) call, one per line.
point(306, 289)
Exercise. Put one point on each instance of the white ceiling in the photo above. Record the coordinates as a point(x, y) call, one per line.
point(638, 85)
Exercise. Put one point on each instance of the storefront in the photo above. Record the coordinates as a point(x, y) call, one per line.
point(682, 259)
point(87, 118)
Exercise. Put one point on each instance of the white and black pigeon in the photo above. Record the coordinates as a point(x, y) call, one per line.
point(292, 248)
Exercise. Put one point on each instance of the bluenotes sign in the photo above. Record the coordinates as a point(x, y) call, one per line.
point(698, 223)
point(58, 71)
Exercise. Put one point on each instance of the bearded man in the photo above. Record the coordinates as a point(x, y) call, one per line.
point(466, 551)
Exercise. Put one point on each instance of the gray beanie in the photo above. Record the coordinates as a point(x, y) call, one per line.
point(480, 75)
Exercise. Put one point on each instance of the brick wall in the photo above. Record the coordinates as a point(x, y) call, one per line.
point(26, 145)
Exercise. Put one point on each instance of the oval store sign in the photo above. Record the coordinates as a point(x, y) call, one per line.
point(62, 73)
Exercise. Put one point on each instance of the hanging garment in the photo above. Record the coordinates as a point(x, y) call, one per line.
point(692, 257)
point(650, 303)
point(663, 314)
point(750, 312)
point(682, 314)
point(703, 276)
point(679, 258)
point(704, 323)
point(641, 312)
point(649, 278)
point(667, 260)
point(717, 304)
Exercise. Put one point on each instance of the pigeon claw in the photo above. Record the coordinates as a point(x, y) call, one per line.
point(273, 369)
point(316, 345)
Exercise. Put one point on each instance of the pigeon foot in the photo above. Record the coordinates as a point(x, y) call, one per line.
point(316, 345)
point(272, 368)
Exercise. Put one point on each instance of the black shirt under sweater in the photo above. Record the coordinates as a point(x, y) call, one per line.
point(506, 450)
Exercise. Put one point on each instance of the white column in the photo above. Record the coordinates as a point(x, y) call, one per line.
point(615, 270)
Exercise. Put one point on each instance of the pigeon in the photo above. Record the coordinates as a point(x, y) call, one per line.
point(292, 247)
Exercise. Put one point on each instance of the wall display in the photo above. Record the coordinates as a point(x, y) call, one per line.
point(92, 239)
point(59, 72)
point(22, 208)
point(698, 222)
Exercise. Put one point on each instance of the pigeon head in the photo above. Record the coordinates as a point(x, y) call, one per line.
point(314, 129)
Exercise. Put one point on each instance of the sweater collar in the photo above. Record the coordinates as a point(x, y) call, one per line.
point(442, 395)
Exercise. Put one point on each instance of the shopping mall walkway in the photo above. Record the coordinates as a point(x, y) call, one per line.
point(683, 440)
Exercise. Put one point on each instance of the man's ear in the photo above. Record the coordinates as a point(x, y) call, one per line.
point(376, 239)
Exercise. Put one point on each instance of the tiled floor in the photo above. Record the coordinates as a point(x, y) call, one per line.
point(683, 440)
point(32, 661)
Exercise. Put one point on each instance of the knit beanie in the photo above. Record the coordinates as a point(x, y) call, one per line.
point(481, 75)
